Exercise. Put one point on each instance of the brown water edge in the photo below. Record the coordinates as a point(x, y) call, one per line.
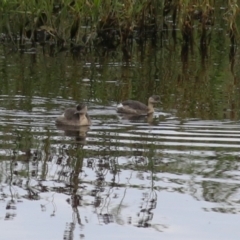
point(110, 24)
point(107, 27)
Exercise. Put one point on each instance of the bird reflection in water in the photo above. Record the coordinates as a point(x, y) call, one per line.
point(79, 132)
point(138, 118)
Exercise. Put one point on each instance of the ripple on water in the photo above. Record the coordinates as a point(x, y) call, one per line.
point(120, 170)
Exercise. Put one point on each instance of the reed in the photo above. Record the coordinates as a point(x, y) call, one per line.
point(111, 23)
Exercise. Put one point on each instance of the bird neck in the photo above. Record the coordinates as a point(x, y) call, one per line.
point(150, 118)
point(150, 108)
point(83, 119)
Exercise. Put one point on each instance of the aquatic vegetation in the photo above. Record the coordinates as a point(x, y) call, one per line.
point(82, 24)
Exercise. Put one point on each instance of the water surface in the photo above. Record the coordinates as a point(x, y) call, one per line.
point(175, 176)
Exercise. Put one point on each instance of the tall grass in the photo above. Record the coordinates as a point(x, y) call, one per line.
point(110, 23)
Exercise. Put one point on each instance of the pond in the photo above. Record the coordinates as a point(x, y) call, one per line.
point(173, 176)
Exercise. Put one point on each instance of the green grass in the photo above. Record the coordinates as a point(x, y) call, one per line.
point(110, 22)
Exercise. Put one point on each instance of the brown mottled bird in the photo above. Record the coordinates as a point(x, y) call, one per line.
point(75, 116)
point(137, 108)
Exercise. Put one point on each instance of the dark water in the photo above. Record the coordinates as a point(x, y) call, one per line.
point(175, 176)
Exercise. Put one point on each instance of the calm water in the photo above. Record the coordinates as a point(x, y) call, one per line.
point(175, 176)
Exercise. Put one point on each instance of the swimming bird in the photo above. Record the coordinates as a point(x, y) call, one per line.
point(77, 116)
point(137, 108)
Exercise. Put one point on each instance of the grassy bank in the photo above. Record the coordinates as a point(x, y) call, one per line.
point(87, 23)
